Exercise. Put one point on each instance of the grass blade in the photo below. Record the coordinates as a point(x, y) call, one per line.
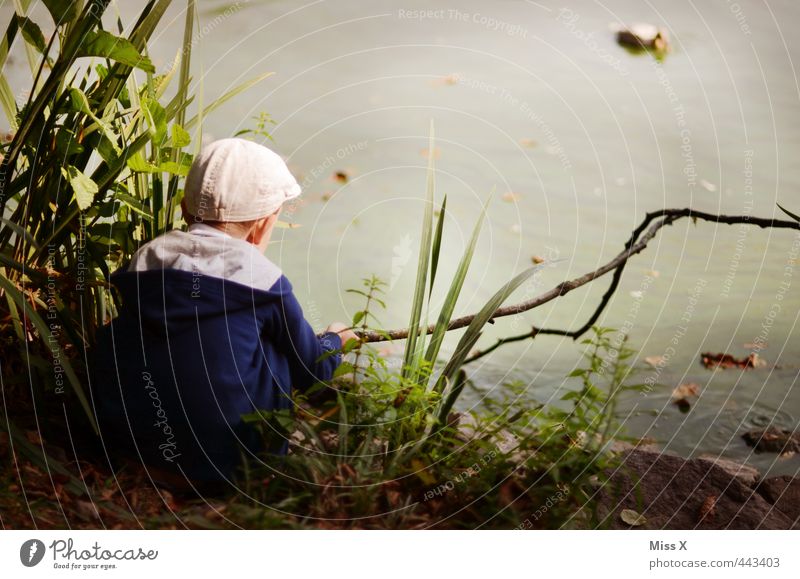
point(410, 357)
point(446, 313)
point(789, 213)
point(225, 98)
point(437, 244)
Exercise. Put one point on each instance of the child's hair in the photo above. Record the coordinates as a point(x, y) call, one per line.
point(239, 229)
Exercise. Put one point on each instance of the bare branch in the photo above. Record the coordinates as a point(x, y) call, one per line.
point(638, 241)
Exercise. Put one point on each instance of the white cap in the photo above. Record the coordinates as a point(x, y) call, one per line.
point(237, 180)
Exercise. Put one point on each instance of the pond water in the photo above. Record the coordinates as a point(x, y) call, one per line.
point(579, 138)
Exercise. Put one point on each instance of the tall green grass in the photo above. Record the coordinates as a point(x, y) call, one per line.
point(94, 168)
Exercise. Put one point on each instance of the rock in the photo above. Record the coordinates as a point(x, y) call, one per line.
point(746, 474)
point(641, 35)
point(647, 444)
point(773, 439)
point(675, 493)
point(784, 493)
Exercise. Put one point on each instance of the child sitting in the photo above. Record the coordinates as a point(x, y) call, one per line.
point(209, 328)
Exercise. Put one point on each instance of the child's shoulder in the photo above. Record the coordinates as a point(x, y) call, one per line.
point(210, 254)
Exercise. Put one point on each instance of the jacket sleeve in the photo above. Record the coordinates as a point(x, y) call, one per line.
point(303, 347)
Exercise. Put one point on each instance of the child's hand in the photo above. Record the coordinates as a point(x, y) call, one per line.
point(344, 331)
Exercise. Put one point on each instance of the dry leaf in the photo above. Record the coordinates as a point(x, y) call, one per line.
point(708, 185)
point(632, 518)
point(510, 197)
point(685, 390)
point(341, 176)
point(537, 259)
point(286, 225)
point(708, 509)
point(654, 361)
point(725, 361)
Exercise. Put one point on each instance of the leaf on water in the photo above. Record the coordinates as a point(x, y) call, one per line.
point(632, 518)
point(537, 259)
point(686, 390)
point(341, 177)
point(725, 361)
point(84, 188)
point(655, 361)
point(437, 152)
point(511, 197)
point(708, 185)
point(286, 225)
point(652, 272)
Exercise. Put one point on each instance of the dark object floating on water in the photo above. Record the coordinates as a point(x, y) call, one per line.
point(780, 440)
point(724, 361)
point(646, 36)
point(341, 176)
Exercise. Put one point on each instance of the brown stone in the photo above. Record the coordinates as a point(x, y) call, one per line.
point(673, 493)
point(746, 474)
point(773, 439)
point(784, 493)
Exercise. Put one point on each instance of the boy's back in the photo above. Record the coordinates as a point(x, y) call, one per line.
point(209, 329)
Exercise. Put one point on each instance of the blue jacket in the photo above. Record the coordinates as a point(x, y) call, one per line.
point(190, 353)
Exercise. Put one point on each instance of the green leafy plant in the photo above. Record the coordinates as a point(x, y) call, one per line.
point(93, 168)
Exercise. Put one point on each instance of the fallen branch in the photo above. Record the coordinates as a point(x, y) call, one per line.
point(638, 241)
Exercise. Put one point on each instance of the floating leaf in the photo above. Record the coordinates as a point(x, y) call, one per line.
point(341, 177)
point(725, 361)
point(286, 225)
point(686, 390)
point(632, 518)
point(655, 361)
point(511, 197)
point(708, 185)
